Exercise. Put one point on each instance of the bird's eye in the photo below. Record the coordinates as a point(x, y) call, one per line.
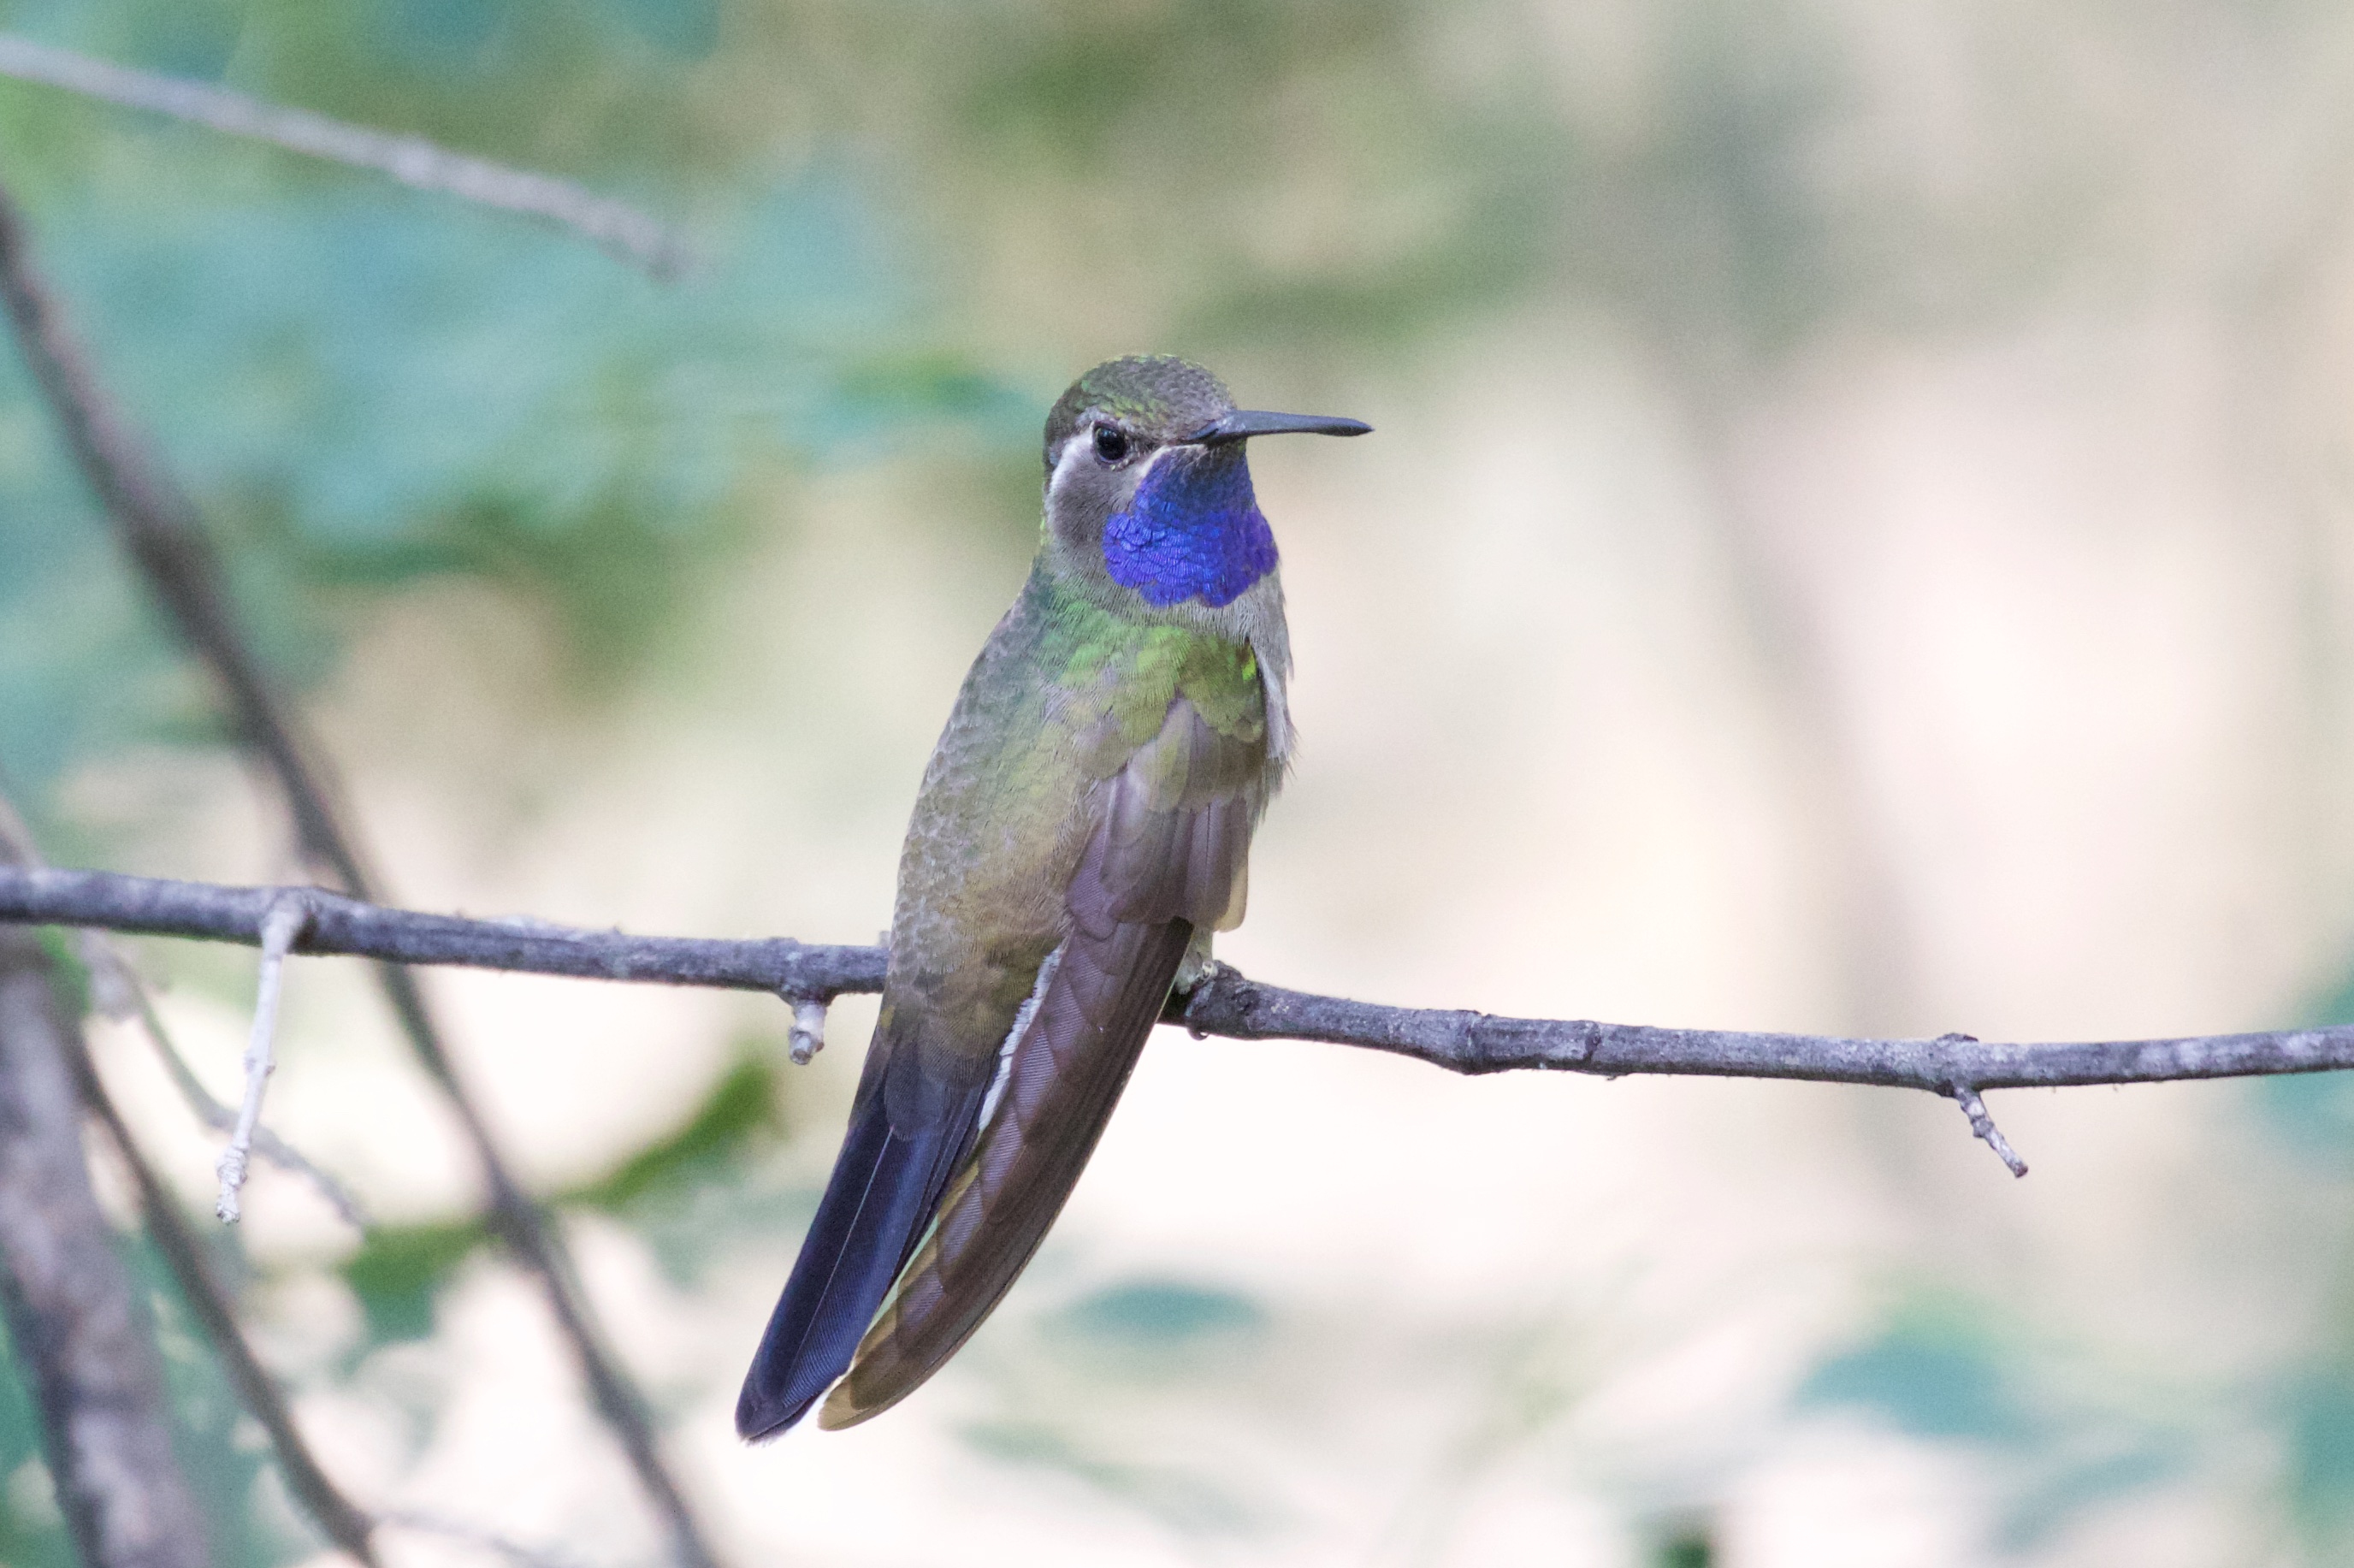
point(1111, 442)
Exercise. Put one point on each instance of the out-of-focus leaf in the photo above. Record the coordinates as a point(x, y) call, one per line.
point(1947, 1368)
point(32, 1533)
point(223, 1450)
point(400, 1269)
point(1154, 1312)
point(740, 1106)
point(1936, 1375)
point(1185, 1501)
point(2317, 1416)
point(1685, 1548)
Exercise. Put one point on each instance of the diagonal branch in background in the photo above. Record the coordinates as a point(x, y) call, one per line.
point(616, 227)
point(1225, 1003)
point(97, 1382)
point(339, 1518)
point(341, 1521)
point(161, 531)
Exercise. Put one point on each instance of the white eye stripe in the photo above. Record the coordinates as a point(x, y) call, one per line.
point(1079, 452)
point(1078, 447)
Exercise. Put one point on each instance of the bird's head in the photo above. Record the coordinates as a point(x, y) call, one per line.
point(1146, 480)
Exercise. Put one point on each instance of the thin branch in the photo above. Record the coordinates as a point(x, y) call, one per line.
point(118, 993)
point(616, 227)
point(279, 925)
point(73, 1321)
point(1225, 1003)
point(353, 928)
point(1983, 1125)
point(341, 1521)
point(161, 532)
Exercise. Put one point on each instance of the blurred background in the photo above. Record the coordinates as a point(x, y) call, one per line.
point(1860, 538)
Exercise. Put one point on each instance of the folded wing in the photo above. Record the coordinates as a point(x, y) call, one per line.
point(1165, 857)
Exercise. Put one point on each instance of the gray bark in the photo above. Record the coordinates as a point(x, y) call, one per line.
point(80, 1333)
point(1225, 1003)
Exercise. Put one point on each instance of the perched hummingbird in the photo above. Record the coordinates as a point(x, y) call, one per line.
point(1080, 833)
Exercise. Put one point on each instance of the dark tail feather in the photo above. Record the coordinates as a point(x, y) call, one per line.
point(884, 1184)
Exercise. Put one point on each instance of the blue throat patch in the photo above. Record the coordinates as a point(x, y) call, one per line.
point(1193, 531)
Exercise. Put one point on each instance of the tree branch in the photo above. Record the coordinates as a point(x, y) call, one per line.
point(616, 227)
point(348, 927)
point(1225, 1003)
point(73, 1317)
point(341, 1521)
point(164, 537)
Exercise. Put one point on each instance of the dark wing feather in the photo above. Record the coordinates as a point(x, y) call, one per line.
point(886, 1182)
point(1167, 856)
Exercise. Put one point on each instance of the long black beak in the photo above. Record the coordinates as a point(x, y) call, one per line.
point(1244, 423)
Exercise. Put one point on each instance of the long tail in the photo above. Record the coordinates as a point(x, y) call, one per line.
point(1067, 1073)
point(885, 1183)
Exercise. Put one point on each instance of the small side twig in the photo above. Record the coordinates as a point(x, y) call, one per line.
point(119, 993)
point(1983, 1125)
point(279, 927)
point(613, 225)
point(808, 1036)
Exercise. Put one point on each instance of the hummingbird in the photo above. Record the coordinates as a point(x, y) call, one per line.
point(1081, 829)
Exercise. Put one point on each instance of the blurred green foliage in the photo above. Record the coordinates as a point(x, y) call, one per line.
point(223, 1451)
point(399, 1270)
point(367, 389)
point(1685, 1548)
point(2311, 1406)
point(2059, 1442)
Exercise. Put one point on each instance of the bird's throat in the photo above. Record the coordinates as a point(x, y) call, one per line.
point(1192, 530)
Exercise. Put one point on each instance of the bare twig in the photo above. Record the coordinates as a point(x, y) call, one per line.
point(341, 1521)
point(1983, 1125)
point(110, 974)
point(808, 1028)
point(165, 540)
point(279, 925)
point(1224, 1002)
point(616, 227)
point(118, 993)
point(72, 1319)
